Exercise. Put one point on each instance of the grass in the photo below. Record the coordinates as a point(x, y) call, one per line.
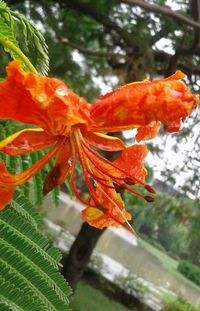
point(88, 298)
point(169, 263)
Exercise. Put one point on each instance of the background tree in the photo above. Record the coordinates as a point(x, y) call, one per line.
point(95, 44)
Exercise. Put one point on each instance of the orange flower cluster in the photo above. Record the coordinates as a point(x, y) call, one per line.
point(74, 131)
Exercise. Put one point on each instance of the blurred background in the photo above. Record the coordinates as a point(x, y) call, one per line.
point(95, 46)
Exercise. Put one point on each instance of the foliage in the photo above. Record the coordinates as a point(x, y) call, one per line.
point(194, 236)
point(22, 40)
point(178, 305)
point(29, 264)
point(88, 298)
point(192, 272)
point(29, 274)
point(136, 34)
point(171, 224)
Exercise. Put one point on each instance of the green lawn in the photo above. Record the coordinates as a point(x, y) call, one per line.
point(88, 298)
point(169, 263)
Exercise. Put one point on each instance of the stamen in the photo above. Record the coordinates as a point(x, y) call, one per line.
point(114, 179)
point(126, 224)
point(99, 167)
point(85, 169)
point(111, 164)
point(149, 199)
point(149, 188)
point(96, 177)
point(129, 181)
point(119, 188)
point(72, 178)
point(130, 228)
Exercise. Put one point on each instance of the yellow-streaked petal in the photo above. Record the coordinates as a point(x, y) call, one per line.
point(26, 141)
point(104, 142)
point(100, 220)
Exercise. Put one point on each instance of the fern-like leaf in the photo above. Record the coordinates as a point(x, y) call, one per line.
point(22, 34)
point(29, 276)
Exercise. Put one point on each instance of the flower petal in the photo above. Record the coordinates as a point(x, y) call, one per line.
point(148, 132)
point(178, 75)
point(103, 142)
point(26, 141)
point(110, 211)
point(132, 161)
point(138, 104)
point(45, 102)
point(60, 169)
point(174, 126)
point(96, 218)
point(8, 181)
point(6, 192)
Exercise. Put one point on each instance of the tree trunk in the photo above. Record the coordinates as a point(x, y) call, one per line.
point(76, 261)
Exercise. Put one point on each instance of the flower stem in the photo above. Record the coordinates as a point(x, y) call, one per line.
point(11, 46)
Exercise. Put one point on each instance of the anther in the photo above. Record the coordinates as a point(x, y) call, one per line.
point(129, 181)
point(119, 188)
point(149, 188)
point(149, 199)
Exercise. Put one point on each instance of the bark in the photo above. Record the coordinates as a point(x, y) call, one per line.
point(83, 50)
point(164, 10)
point(77, 260)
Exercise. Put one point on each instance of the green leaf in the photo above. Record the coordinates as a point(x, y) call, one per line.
point(29, 275)
point(22, 40)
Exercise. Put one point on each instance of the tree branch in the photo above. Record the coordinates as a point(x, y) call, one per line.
point(83, 50)
point(164, 10)
point(195, 8)
point(158, 56)
point(187, 68)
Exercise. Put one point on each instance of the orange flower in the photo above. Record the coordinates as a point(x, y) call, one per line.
point(144, 105)
point(70, 125)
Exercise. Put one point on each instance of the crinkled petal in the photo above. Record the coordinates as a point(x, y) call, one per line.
point(26, 141)
point(148, 132)
point(174, 126)
point(60, 169)
point(138, 104)
point(104, 142)
point(42, 101)
point(132, 161)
